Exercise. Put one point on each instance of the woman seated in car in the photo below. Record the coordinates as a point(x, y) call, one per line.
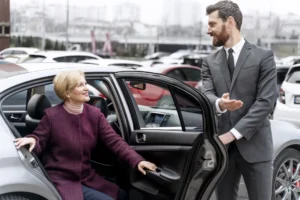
point(66, 136)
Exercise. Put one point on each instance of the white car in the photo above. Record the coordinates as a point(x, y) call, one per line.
point(113, 62)
point(181, 140)
point(60, 56)
point(18, 51)
point(288, 103)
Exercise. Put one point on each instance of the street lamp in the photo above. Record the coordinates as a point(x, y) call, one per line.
point(44, 27)
point(67, 26)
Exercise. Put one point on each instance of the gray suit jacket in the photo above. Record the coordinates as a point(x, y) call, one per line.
point(254, 83)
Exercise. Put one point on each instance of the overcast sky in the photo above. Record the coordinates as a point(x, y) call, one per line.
point(151, 10)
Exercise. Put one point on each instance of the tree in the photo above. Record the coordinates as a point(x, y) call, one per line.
point(30, 42)
point(56, 45)
point(19, 42)
point(62, 46)
point(48, 45)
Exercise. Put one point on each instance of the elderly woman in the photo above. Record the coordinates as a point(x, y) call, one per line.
point(68, 133)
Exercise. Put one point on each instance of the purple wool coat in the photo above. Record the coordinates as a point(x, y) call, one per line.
point(67, 141)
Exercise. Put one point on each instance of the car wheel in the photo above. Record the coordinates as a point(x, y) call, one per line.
point(12, 197)
point(286, 175)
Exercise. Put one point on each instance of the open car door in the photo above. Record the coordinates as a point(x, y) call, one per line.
point(176, 131)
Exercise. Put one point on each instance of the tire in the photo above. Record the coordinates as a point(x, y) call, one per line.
point(13, 197)
point(284, 182)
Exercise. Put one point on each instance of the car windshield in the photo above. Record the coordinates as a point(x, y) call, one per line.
point(34, 59)
point(294, 76)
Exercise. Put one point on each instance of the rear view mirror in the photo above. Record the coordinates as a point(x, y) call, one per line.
point(138, 85)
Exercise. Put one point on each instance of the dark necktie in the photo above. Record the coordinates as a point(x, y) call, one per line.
point(230, 62)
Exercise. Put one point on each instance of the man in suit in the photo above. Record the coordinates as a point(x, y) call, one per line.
point(240, 81)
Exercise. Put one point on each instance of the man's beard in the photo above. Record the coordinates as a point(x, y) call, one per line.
point(221, 39)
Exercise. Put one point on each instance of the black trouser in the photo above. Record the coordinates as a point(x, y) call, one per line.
point(257, 177)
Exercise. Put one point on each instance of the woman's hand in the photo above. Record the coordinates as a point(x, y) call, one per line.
point(147, 165)
point(20, 142)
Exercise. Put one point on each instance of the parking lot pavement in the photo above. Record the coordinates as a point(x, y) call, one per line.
point(242, 192)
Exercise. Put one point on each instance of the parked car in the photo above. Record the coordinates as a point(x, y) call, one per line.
point(290, 60)
point(113, 62)
point(194, 59)
point(181, 141)
point(18, 51)
point(153, 95)
point(150, 63)
point(154, 132)
point(156, 55)
point(60, 56)
point(16, 58)
point(176, 57)
point(288, 103)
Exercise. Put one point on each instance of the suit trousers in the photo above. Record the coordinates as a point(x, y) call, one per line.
point(257, 177)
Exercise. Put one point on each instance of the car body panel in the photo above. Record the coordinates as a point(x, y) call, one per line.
point(288, 104)
point(14, 175)
point(284, 135)
point(37, 74)
point(167, 141)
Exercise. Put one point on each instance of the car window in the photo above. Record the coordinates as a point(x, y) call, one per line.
point(190, 111)
point(72, 59)
point(16, 101)
point(158, 109)
point(7, 52)
point(88, 58)
point(61, 59)
point(129, 65)
point(191, 74)
point(176, 73)
point(18, 52)
point(34, 59)
point(50, 93)
point(151, 102)
point(294, 76)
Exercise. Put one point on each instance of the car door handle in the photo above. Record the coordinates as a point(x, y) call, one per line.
point(163, 176)
point(141, 137)
point(14, 118)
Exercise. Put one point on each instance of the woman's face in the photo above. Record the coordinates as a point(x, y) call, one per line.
point(80, 93)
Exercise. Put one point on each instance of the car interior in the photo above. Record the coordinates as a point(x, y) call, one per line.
point(170, 175)
point(26, 118)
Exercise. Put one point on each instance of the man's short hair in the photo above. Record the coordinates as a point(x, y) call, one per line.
point(226, 9)
point(66, 81)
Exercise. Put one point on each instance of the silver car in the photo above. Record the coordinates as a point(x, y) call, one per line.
point(179, 138)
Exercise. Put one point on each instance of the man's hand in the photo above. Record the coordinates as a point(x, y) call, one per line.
point(227, 138)
point(226, 103)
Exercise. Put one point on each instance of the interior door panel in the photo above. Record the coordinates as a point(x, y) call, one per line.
point(17, 119)
point(170, 153)
point(178, 137)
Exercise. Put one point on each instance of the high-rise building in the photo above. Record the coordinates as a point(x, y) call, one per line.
point(4, 24)
point(179, 12)
point(127, 12)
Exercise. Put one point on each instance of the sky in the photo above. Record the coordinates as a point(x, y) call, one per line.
point(152, 10)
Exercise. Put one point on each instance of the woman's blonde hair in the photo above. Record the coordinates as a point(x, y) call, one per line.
point(66, 81)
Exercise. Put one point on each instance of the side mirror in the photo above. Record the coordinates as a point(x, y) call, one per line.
point(138, 85)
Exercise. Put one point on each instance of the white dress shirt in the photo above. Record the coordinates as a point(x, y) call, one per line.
point(236, 53)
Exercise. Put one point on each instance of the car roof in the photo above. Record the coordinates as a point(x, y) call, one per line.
point(53, 54)
point(12, 74)
point(159, 68)
point(27, 49)
point(111, 61)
